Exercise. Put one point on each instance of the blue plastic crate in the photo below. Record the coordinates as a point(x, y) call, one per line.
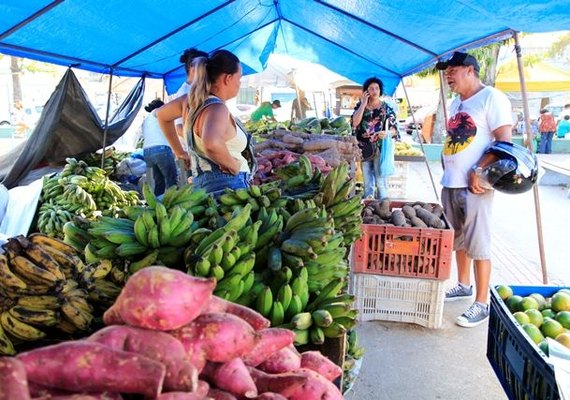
point(518, 363)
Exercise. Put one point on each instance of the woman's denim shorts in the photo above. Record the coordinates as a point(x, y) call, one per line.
point(215, 182)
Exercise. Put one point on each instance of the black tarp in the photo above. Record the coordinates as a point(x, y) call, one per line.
point(68, 127)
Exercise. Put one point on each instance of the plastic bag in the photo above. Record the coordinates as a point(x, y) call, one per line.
point(386, 164)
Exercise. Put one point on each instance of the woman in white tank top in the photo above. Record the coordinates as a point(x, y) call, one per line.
point(215, 141)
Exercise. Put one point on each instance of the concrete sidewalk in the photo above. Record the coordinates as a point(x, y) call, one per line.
point(408, 361)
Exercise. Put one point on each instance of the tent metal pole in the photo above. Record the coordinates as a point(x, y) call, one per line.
point(443, 95)
point(107, 118)
point(420, 139)
point(528, 144)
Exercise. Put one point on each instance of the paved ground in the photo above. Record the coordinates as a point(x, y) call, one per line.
point(408, 361)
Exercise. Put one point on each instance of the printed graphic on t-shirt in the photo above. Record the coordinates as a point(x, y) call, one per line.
point(461, 131)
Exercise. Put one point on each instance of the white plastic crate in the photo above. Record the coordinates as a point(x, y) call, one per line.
point(397, 188)
point(388, 298)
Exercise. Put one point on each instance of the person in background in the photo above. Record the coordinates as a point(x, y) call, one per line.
point(563, 127)
point(157, 152)
point(546, 127)
point(479, 115)
point(265, 109)
point(371, 120)
point(186, 58)
point(565, 111)
point(216, 141)
point(299, 107)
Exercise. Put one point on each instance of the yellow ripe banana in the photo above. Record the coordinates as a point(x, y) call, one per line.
point(35, 316)
point(6, 345)
point(39, 256)
point(40, 302)
point(8, 279)
point(76, 316)
point(66, 326)
point(47, 243)
point(18, 329)
point(81, 303)
point(97, 270)
point(68, 286)
point(31, 273)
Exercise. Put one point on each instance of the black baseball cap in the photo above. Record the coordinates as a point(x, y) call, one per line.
point(459, 60)
point(276, 103)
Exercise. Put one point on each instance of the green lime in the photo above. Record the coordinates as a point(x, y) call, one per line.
point(533, 332)
point(535, 317)
point(561, 301)
point(504, 291)
point(529, 303)
point(564, 318)
point(514, 303)
point(551, 328)
point(521, 318)
point(540, 299)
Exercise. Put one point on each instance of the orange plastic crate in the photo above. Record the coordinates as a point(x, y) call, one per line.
point(400, 251)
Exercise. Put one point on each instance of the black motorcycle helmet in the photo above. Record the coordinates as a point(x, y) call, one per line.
point(515, 171)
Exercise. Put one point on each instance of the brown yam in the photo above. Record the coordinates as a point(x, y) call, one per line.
point(418, 222)
point(409, 211)
point(398, 218)
point(437, 210)
point(430, 219)
point(291, 139)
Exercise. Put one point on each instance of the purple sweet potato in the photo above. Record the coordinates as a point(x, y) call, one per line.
point(181, 396)
point(284, 384)
point(284, 360)
point(218, 394)
point(232, 376)
point(316, 387)
point(80, 396)
point(255, 319)
point(221, 337)
point(181, 375)
point(93, 367)
point(13, 380)
point(270, 396)
point(314, 360)
point(271, 340)
point(161, 298)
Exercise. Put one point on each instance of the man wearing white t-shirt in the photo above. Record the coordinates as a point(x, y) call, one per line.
point(479, 115)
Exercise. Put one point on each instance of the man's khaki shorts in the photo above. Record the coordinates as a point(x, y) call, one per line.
point(470, 216)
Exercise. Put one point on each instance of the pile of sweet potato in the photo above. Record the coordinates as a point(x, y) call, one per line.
point(169, 338)
point(270, 160)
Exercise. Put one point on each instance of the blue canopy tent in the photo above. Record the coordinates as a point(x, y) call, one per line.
point(356, 39)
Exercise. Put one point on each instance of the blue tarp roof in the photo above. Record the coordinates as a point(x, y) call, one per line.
point(355, 38)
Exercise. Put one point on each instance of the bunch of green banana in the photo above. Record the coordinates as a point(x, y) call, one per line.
point(271, 225)
point(76, 233)
point(298, 179)
point(329, 315)
point(52, 217)
point(342, 203)
point(111, 160)
point(79, 190)
point(353, 348)
point(227, 255)
point(266, 195)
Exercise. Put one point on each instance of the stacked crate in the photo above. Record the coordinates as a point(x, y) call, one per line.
point(398, 273)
